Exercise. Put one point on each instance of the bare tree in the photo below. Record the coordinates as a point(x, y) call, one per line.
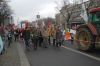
point(5, 11)
point(94, 3)
point(71, 10)
point(49, 19)
point(67, 11)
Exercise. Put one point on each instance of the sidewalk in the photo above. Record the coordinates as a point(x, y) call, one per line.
point(10, 57)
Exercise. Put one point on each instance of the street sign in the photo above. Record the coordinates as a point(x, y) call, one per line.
point(38, 16)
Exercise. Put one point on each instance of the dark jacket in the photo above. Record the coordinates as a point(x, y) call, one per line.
point(26, 34)
point(58, 34)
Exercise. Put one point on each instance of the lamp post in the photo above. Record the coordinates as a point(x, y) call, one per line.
point(38, 17)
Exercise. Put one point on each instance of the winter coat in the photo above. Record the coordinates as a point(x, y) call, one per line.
point(26, 34)
point(59, 35)
point(34, 35)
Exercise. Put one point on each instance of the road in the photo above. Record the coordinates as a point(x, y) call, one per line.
point(51, 56)
point(94, 52)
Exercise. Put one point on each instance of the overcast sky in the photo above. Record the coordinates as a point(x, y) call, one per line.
point(28, 9)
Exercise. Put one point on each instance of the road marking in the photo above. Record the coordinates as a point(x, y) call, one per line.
point(23, 59)
point(90, 56)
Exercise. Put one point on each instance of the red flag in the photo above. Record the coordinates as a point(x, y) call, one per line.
point(49, 23)
point(26, 24)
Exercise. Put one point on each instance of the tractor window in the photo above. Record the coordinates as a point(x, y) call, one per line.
point(96, 17)
point(90, 18)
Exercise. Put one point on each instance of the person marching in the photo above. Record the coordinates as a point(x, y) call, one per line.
point(26, 36)
point(49, 34)
point(40, 40)
point(35, 37)
point(45, 37)
point(16, 34)
point(9, 38)
point(53, 34)
point(59, 36)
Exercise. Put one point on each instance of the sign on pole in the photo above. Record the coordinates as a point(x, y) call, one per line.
point(38, 16)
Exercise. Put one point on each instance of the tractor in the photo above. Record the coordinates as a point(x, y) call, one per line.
point(88, 35)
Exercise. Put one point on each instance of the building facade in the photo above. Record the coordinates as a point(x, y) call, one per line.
point(73, 13)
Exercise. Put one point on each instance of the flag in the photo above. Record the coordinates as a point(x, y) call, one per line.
point(49, 24)
point(84, 13)
point(43, 24)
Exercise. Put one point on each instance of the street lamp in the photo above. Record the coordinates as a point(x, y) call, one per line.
point(38, 17)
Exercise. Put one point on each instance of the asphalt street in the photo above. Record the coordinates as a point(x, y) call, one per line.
point(17, 55)
point(53, 56)
point(95, 52)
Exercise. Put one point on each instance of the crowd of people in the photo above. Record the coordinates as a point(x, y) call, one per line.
point(41, 37)
point(36, 36)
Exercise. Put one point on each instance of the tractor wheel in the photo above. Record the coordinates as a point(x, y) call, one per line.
point(97, 44)
point(85, 39)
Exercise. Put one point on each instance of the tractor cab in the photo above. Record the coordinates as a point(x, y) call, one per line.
point(94, 16)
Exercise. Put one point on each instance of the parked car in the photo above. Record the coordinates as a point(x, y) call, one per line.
point(1, 46)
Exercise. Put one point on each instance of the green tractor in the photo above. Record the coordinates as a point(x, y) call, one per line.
point(88, 35)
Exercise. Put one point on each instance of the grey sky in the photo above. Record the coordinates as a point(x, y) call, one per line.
point(28, 9)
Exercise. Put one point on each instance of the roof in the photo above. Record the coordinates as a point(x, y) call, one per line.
point(77, 20)
point(94, 9)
